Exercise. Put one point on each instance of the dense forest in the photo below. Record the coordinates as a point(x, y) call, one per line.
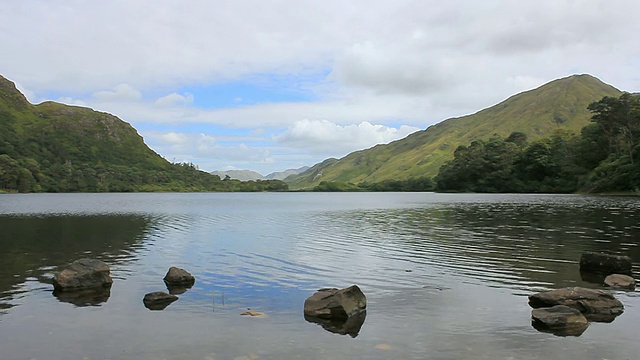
point(604, 157)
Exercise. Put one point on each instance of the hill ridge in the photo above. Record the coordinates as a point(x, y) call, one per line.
point(558, 104)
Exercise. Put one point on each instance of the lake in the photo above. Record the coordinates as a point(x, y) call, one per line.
point(446, 275)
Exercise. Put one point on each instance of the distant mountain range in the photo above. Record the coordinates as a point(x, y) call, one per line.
point(248, 175)
point(559, 104)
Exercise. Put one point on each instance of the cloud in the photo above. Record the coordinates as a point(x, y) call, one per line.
point(358, 63)
point(174, 99)
point(326, 137)
point(122, 92)
point(206, 150)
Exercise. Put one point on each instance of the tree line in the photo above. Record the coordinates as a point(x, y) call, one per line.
point(604, 157)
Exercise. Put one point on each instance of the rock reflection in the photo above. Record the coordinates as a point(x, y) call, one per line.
point(92, 297)
point(178, 289)
point(34, 246)
point(569, 331)
point(351, 326)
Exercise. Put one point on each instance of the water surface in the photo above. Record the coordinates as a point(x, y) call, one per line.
point(446, 275)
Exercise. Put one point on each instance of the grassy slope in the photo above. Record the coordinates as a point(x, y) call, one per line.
point(53, 132)
point(560, 104)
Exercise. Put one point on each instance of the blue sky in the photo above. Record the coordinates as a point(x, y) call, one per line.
point(249, 84)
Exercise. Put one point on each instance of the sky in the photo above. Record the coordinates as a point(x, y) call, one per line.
point(274, 85)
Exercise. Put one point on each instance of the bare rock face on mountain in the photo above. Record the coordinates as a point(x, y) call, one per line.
point(83, 274)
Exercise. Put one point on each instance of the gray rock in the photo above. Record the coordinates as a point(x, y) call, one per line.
point(560, 320)
point(335, 304)
point(158, 300)
point(177, 276)
point(605, 263)
point(620, 281)
point(596, 305)
point(83, 274)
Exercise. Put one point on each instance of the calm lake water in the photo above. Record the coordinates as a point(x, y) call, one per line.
point(446, 275)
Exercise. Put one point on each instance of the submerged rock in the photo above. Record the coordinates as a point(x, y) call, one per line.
point(179, 278)
point(83, 274)
point(605, 263)
point(620, 281)
point(596, 305)
point(158, 300)
point(560, 320)
point(335, 304)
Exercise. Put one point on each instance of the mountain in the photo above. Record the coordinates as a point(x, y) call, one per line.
point(54, 147)
point(248, 175)
point(281, 175)
point(559, 104)
point(242, 175)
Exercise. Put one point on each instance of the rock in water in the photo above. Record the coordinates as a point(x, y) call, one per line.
point(176, 276)
point(335, 304)
point(83, 274)
point(620, 281)
point(560, 320)
point(596, 305)
point(158, 300)
point(605, 263)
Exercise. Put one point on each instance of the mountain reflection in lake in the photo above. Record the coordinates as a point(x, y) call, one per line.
point(446, 275)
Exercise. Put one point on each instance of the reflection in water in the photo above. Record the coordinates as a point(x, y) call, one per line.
point(567, 331)
point(446, 275)
point(34, 247)
point(89, 297)
point(178, 289)
point(350, 326)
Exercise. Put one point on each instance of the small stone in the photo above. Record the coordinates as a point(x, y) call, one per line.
point(559, 316)
point(620, 281)
point(158, 300)
point(83, 274)
point(335, 303)
point(177, 276)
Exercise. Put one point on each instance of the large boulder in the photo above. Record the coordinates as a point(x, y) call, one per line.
point(604, 263)
point(596, 305)
point(179, 277)
point(560, 320)
point(620, 281)
point(158, 300)
point(83, 274)
point(335, 304)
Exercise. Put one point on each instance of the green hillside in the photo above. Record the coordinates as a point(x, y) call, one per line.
point(560, 104)
point(59, 148)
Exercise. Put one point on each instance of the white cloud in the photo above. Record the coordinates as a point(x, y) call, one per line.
point(174, 99)
point(326, 137)
point(388, 62)
point(122, 92)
